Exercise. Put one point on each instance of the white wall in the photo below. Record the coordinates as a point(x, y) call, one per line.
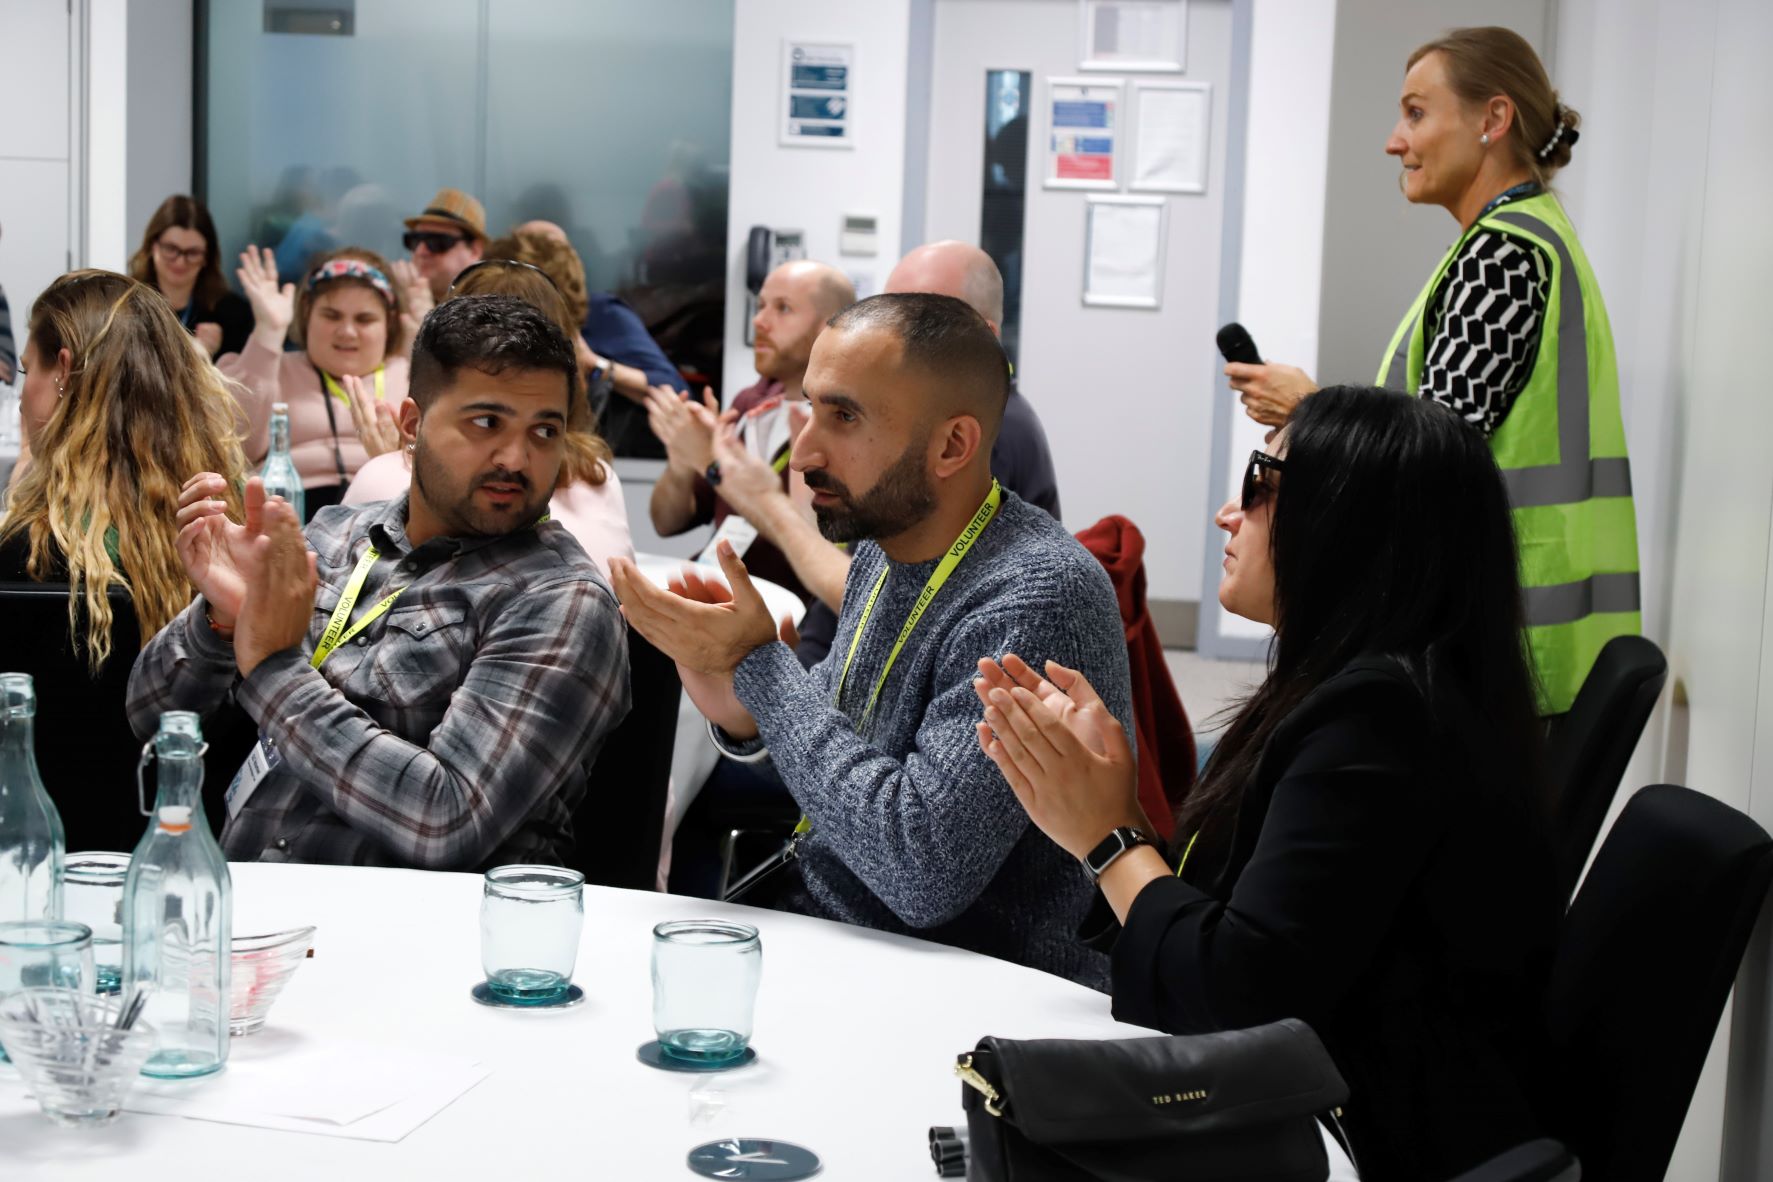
point(809, 189)
point(1126, 395)
point(35, 149)
point(1667, 188)
point(105, 225)
point(159, 84)
point(1286, 160)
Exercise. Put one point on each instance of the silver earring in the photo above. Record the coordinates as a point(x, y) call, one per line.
point(59, 391)
point(1484, 139)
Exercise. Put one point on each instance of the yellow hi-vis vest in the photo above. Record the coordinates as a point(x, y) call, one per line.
point(1562, 452)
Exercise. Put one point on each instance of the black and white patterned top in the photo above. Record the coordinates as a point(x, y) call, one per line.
point(1484, 320)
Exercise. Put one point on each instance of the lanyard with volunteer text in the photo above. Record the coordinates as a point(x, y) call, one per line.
point(338, 391)
point(938, 577)
point(945, 568)
point(336, 632)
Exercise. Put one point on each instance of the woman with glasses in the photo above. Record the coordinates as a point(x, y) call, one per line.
point(351, 320)
point(179, 259)
point(588, 498)
point(1510, 332)
point(1365, 849)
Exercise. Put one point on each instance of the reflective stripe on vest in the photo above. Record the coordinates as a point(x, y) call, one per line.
point(1557, 612)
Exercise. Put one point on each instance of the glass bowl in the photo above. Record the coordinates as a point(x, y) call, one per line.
point(77, 1063)
point(261, 966)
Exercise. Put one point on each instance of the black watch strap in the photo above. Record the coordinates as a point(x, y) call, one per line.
point(1113, 846)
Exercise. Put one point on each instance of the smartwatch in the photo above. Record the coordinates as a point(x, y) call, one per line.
point(1113, 846)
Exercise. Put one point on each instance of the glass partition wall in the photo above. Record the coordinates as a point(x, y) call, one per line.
point(608, 117)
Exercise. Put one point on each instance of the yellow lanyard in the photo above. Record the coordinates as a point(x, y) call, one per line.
point(950, 560)
point(336, 633)
point(945, 568)
point(781, 462)
point(1189, 849)
point(338, 391)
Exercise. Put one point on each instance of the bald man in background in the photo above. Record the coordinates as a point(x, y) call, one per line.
point(1020, 458)
point(796, 300)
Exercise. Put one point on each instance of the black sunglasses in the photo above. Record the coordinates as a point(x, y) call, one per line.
point(434, 241)
point(1256, 484)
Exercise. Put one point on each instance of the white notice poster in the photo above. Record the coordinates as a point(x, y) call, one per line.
point(1134, 35)
point(1124, 252)
point(818, 82)
point(1171, 138)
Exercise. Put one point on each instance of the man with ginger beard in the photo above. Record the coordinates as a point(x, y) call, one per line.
point(792, 308)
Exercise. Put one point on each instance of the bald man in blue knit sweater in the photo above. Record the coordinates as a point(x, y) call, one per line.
point(912, 829)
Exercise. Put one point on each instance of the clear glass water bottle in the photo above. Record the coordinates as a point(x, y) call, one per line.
point(32, 843)
point(280, 475)
point(178, 912)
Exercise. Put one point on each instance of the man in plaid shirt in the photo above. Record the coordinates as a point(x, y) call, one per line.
point(432, 681)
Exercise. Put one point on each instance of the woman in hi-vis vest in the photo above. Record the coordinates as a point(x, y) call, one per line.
point(1510, 332)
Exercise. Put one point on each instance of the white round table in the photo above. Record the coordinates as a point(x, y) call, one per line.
point(856, 1035)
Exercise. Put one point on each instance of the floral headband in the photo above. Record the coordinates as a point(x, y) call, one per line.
point(350, 269)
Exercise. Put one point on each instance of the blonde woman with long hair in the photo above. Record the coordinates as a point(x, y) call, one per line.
point(120, 406)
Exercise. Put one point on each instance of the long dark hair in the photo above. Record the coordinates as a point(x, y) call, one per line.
point(1390, 535)
point(185, 213)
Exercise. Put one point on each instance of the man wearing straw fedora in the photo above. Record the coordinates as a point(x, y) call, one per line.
point(445, 238)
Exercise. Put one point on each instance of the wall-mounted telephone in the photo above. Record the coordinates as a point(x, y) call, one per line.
point(765, 250)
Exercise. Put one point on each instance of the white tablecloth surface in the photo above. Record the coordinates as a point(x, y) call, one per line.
point(856, 1036)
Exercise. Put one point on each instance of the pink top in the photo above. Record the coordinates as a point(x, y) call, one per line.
point(264, 376)
point(595, 515)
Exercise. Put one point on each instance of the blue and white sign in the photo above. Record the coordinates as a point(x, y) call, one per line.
point(818, 80)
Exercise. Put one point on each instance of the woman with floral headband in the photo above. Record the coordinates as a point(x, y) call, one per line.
point(352, 321)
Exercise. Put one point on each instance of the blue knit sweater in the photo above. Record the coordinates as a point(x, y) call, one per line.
point(914, 829)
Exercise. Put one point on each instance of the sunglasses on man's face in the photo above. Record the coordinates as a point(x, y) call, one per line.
point(432, 240)
point(1258, 483)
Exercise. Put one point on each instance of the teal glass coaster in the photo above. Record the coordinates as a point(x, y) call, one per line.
point(754, 1159)
point(483, 994)
point(654, 1054)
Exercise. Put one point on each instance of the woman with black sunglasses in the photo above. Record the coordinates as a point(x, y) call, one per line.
point(1364, 850)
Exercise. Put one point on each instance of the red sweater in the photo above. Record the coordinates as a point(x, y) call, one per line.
point(1166, 740)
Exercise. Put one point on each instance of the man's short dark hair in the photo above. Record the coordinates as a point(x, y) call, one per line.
point(490, 333)
point(946, 338)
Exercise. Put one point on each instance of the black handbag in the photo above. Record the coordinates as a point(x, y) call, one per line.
point(1241, 1104)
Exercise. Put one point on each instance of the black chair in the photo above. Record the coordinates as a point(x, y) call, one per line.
point(1589, 747)
point(1536, 1161)
point(86, 752)
point(619, 826)
point(1647, 956)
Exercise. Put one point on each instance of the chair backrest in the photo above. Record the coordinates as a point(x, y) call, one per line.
point(619, 826)
point(86, 752)
point(1649, 951)
point(1590, 746)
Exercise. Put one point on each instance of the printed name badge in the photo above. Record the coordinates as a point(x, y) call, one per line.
point(735, 529)
point(261, 762)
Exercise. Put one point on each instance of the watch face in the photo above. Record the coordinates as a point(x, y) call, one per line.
point(1112, 845)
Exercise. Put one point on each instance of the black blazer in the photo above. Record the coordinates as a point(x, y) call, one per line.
point(1374, 885)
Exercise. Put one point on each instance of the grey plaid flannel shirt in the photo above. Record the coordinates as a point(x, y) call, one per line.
point(454, 733)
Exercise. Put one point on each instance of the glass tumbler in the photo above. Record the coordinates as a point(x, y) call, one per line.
point(705, 975)
point(92, 894)
point(44, 953)
point(530, 918)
